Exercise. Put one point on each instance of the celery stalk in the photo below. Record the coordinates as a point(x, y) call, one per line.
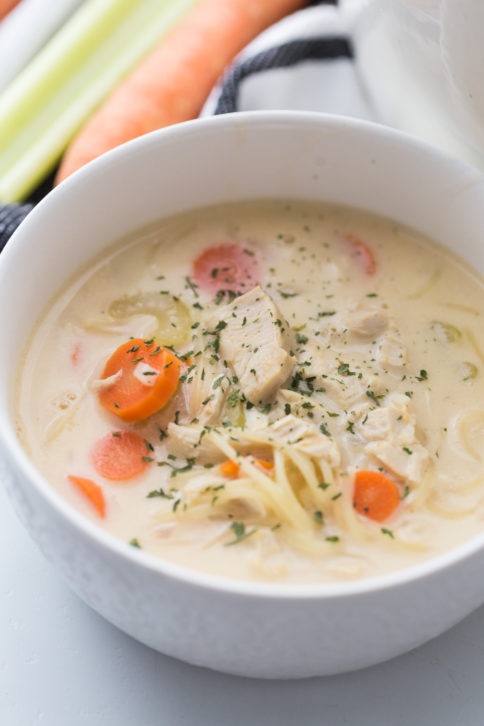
point(43, 108)
point(35, 22)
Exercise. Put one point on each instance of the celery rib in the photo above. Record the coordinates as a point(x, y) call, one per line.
point(35, 22)
point(49, 101)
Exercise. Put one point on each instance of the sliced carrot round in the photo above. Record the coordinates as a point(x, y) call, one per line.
point(375, 495)
point(92, 491)
point(141, 377)
point(120, 455)
point(226, 267)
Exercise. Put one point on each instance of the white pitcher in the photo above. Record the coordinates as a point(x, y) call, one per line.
point(422, 63)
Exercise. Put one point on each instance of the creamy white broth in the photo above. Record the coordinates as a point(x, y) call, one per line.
point(379, 342)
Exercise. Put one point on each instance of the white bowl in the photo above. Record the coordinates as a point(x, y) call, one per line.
point(270, 630)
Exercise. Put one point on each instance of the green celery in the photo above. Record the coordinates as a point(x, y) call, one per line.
point(44, 107)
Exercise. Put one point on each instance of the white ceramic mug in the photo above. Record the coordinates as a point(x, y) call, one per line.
point(422, 62)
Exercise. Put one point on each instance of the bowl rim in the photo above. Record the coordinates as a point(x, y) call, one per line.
point(151, 563)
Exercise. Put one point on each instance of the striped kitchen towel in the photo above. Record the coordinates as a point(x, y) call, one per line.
point(304, 62)
point(10, 217)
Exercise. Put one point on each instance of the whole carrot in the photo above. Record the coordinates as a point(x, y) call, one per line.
point(172, 83)
point(6, 6)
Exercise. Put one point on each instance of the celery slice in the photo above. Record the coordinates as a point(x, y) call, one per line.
point(49, 101)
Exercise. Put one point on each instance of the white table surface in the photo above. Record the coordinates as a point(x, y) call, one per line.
point(61, 664)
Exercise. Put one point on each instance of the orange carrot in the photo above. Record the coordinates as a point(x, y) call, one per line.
point(226, 267)
point(6, 6)
point(230, 468)
point(144, 376)
point(92, 492)
point(262, 464)
point(120, 455)
point(375, 495)
point(364, 254)
point(173, 82)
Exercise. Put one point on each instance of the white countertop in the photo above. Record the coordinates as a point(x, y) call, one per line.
point(61, 664)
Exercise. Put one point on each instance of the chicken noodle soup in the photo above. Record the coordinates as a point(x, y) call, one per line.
point(267, 390)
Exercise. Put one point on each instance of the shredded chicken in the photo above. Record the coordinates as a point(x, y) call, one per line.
point(297, 433)
point(390, 433)
point(391, 422)
point(408, 463)
point(367, 322)
point(391, 350)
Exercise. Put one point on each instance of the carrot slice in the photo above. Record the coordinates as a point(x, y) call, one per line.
point(226, 267)
point(92, 491)
point(375, 495)
point(143, 376)
point(363, 253)
point(173, 82)
point(230, 468)
point(263, 464)
point(120, 455)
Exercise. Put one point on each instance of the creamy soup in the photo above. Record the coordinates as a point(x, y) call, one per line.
point(272, 390)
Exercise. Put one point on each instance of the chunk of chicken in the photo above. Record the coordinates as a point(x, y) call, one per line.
point(193, 441)
point(390, 431)
point(253, 341)
point(365, 322)
point(348, 387)
point(391, 421)
point(189, 441)
point(391, 350)
point(407, 462)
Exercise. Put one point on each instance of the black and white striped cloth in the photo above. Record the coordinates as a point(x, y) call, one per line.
point(304, 62)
